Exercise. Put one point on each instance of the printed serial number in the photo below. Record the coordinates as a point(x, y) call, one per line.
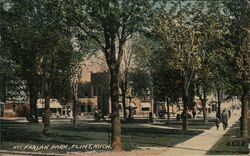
point(236, 143)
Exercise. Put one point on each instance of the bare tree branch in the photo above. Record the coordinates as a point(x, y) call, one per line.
point(90, 34)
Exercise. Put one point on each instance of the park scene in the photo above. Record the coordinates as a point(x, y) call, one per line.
point(124, 77)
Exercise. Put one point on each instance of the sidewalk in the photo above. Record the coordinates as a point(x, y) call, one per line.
point(199, 145)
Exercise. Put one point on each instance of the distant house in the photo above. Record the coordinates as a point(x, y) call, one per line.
point(55, 107)
point(209, 103)
point(142, 108)
point(16, 108)
point(66, 110)
point(14, 98)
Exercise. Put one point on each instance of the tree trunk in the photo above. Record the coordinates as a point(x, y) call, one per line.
point(218, 113)
point(124, 101)
point(204, 111)
point(46, 117)
point(248, 101)
point(113, 60)
point(185, 109)
point(116, 124)
point(33, 106)
point(244, 114)
point(204, 105)
point(75, 90)
point(123, 86)
point(35, 109)
point(5, 89)
point(74, 111)
point(168, 122)
point(157, 109)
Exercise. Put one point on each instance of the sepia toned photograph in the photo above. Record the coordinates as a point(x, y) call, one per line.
point(124, 77)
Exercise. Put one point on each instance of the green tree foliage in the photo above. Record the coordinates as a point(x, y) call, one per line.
point(211, 24)
point(178, 33)
point(239, 37)
point(40, 45)
point(191, 43)
point(109, 25)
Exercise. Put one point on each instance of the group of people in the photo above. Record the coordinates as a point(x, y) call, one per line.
point(223, 118)
point(181, 116)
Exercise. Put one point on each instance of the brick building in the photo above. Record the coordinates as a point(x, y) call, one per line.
point(94, 94)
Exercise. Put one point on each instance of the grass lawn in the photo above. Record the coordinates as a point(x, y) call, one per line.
point(63, 133)
point(231, 143)
point(192, 124)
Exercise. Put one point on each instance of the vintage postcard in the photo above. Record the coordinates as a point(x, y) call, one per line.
point(124, 77)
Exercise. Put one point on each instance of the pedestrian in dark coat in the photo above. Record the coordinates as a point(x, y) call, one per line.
point(217, 123)
point(229, 113)
point(194, 114)
point(224, 119)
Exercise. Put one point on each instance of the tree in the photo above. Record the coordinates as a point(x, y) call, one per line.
point(166, 81)
point(110, 25)
point(197, 38)
point(179, 34)
point(7, 66)
point(39, 41)
point(153, 75)
point(211, 24)
point(17, 42)
point(141, 74)
point(240, 30)
point(127, 65)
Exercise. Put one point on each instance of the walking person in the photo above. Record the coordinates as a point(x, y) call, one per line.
point(194, 114)
point(229, 113)
point(218, 114)
point(151, 117)
point(217, 123)
point(224, 119)
point(178, 117)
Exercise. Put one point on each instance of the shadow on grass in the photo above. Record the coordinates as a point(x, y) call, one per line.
point(192, 124)
point(133, 135)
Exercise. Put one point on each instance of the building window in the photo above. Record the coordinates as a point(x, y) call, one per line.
point(82, 108)
point(14, 107)
point(86, 94)
point(145, 106)
point(89, 108)
point(145, 109)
